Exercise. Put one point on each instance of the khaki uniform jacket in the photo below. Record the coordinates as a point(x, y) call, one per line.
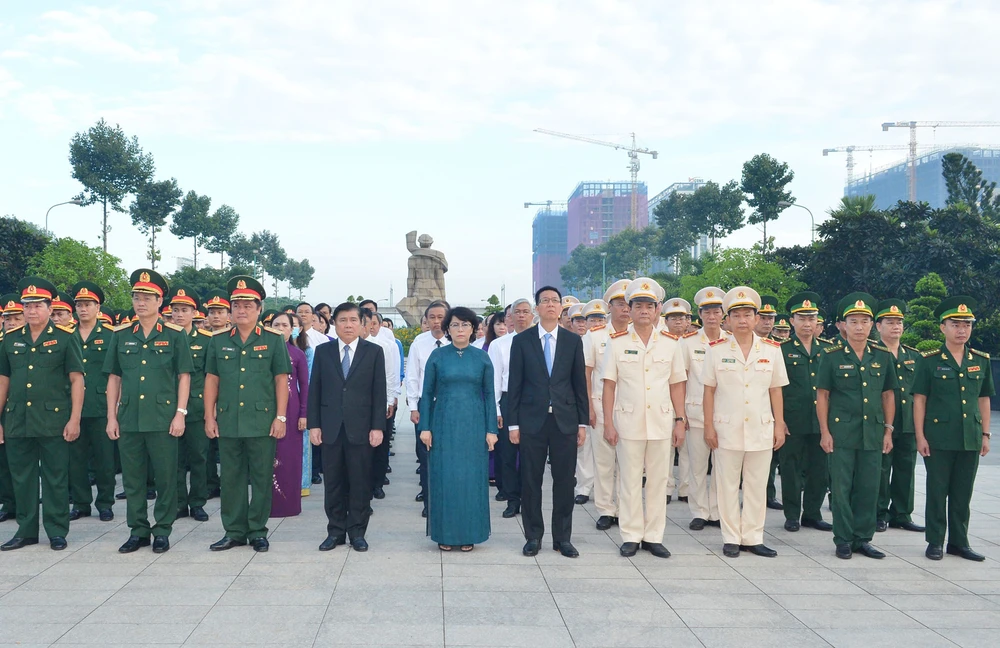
point(695, 350)
point(595, 343)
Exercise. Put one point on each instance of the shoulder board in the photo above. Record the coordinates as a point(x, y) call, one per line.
point(782, 340)
point(928, 354)
point(597, 328)
point(879, 347)
point(67, 329)
point(771, 342)
point(271, 330)
point(8, 332)
point(831, 349)
point(222, 332)
point(719, 341)
point(825, 340)
point(173, 326)
point(204, 332)
point(980, 353)
point(692, 333)
point(619, 334)
point(669, 335)
point(909, 348)
point(121, 327)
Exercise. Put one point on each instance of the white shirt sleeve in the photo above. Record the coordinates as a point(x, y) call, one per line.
point(414, 373)
point(496, 358)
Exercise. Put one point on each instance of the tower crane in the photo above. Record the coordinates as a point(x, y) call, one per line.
point(855, 147)
point(913, 126)
point(633, 155)
point(547, 204)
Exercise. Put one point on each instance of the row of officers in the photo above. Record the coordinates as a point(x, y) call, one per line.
point(846, 416)
point(162, 390)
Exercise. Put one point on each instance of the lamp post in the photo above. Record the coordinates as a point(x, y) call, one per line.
point(812, 221)
point(604, 270)
point(75, 201)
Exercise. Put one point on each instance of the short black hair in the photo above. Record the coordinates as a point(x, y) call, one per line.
point(462, 314)
point(366, 314)
point(303, 304)
point(538, 293)
point(369, 301)
point(346, 307)
point(440, 303)
point(322, 305)
point(386, 320)
point(506, 311)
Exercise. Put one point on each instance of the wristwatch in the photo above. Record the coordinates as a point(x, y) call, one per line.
point(988, 435)
point(281, 418)
point(182, 411)
point(889, 427)
point(678, 419)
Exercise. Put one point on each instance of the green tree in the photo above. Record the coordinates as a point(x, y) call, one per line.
point(153, 204)
point(965, 185)
point(299, 274)
point(66, 261)
point(715, 211)
point(242, 252)
point(676, 233)
point(192, 221)
point(922, 329)
point(627, 254)
point(20, 241)
point(222, 228)
point(206, 278)
point(493, 305)
point(764, 181)
point(110, 166)
point(271, 257)
point(741, 267)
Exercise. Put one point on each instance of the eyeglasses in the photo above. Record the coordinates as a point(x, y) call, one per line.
point(455, 326)
point(549, 301)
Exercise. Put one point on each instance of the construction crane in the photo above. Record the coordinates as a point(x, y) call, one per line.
point(913, 126)
point(633, 156)
point(547, 204)
point(854, 147)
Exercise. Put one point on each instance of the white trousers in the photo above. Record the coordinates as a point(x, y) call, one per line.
point(683, 479)
point(585, 466)
point(702, 497)
point(635, 523)
point(742, 526)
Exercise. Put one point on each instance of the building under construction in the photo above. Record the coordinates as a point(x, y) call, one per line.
point(548, 248)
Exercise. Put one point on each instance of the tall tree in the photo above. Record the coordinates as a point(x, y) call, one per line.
point(299, 274)
point(627, 254)
point(676, 233)
point(715, 211)
point(242, 252)
point(153, 204)
point(965, 185)
point(764, 181)
point(192, 221)
point(110, 166)
point(742, 267)
point(922, 330)
point(222, 228)
point(66, 261)
point(20, 241)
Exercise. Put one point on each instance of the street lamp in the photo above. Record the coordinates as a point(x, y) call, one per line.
point(604, 270)
point(785, 203)
point(75, 201)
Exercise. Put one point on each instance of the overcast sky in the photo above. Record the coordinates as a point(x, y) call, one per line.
point(343, 125)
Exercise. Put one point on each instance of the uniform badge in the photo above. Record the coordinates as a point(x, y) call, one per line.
point(98, 342)
point(49, 343)
point(631, 352)
point(20, 344)
point(699, 351)
point(161, 343)
point(729, 360)
point(847, 366)
point(971, 369)
point(262, 347)
point(876, 365)
point(227, 349)
point(132, 343)
point(763, 361)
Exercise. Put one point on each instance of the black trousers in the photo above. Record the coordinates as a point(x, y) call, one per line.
point(548, 442)
point(347, 490)
point(421, 450)
point(507, 458)
point(380, 456)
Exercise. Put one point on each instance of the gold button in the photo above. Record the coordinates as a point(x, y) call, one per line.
point(244, 352)
point(814, 387)
point(244, 369)
point(32, 367)
point(647, 407)
point(899, 366)
point(141, 378)
point(241, 404)
point(836, 420)
point(143, 362)
point(964, 415)
point(84, 346)
point(141, 396)
point(866, 400)
point(864, 384)
point(32, 349)
point(846, 375)
point(961, 375)
point(747, 385)
point(747, 402)
point(813, 373)
point(241, 387)
point(963, 400)
point(84, 359)
point(746, 368)
point(56, 409)
point(647, 371)
point(29, 403)
point(904, 401)
point(29, 387)
point(944, 377)
point(866, 417)
point(746, 419)
point(902, 389)
point(862, 368)
point(935, 420)
point(145, 346)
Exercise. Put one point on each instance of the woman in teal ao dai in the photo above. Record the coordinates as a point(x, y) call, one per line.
point(458, 424)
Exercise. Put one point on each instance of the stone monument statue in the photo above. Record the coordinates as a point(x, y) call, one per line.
point(424, 279)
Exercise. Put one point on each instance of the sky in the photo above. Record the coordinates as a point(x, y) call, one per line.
point(343, 125)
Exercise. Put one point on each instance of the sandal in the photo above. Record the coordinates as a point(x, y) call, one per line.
point(444, 547)
point(467, 548)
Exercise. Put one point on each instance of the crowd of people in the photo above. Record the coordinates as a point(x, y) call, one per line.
point(627, 399)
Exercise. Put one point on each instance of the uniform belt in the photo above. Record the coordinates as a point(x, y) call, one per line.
point(550, 409)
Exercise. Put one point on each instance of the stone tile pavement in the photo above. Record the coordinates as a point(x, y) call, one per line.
point(404, 592)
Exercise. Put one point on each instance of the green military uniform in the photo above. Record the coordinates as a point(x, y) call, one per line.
point(94, 448)
point(8, 510)
point(803, 463)
point(953, 428)
point(39, 405)
point(217, 298)
point(245, 409)
point(857, 423)
point(150, 367)
point(895, 494)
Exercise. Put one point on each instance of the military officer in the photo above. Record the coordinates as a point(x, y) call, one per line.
point(192, 451)
point(93, 450)
point(951, 416)
point(566, 319)
point(13, 312)
point(13, 318)
point(677, 315)
point(641, 418)
point(246, 393)
point(748, 368)
point(578, 321)
point(198, 319)
point(782, 329)
point(41, 394)
point(702, 497)
point(596, 311)
point(605, 460)
point(149, 367)
point(855, 402)
point(766, 316)
point(804, 465)
point(218, 319)
point(895, 497)
point(62, 311)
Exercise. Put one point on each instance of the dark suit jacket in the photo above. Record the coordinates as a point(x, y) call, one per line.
point(357, 403)
point(530, 389)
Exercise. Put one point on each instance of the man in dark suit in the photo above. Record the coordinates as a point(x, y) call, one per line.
point(548, 412)
point(346, 415)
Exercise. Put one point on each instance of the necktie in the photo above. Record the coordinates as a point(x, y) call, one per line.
point(437, 343)
point(547, 350)
point(345, 364)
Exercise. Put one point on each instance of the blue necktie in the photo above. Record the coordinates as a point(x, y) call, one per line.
point(345, 364)
point(547, 350)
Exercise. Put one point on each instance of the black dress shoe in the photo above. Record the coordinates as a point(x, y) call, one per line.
point(774, 504)
point(182, 513)
point(655, 548)
point(120, 496)
point(57, 543)
point(759, 550)
point(964, 552)
point(385, 480)
point(844, 551)
point(260, 545)
point(132, 544)
point(419, 497)
point(513, 508)
point(604, 523)
point(668, 500)
point(151, 493)
point(161, 544)
point(866, 549)
point(906, 525)
point(629, 549)
point(378, 492)
point(697, 524)
point(731, 550)
point(199, 514)
point(17, 543)
point(819, 525)
point(566, 548)
point(215, 492)
point(332, 542)
point(227, 543)
point(531, 548)
point(423, 513)
point(934, 552)
point(317, 479)
point(881, 525)
point(76, 514)
point(614, 520)
point(713, 523)
point(107, 515)
point(581, 499)
point(500, 496)
point(683, 498)
point(359, 544)
point(6, 515)
point(792, 525)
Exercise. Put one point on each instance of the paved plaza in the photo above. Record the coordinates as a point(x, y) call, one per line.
point(404, 592)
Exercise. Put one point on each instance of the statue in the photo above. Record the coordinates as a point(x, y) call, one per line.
point(424, 279)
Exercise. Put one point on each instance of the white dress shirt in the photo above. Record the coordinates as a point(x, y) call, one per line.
point(354, 350)
point(391, 368)
point(388, 336)
point(479, 343)
point(552, 349)
point(420, 349)
point(315, 338)
point(499, 353)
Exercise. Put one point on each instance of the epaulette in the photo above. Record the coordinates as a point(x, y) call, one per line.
point(719, 341)
point(669, 335)
point(204, 332)
point(771, 342)
point(831, 349)
point(173, 326)
point(18, 328)
point(687, 335)
point(880, 347)
point(619, 334)
point(932, 352)
point(782, 340)
point(271, 330)
point(909, 348)
point(121, 327)
point(221, 332)
point(598, 327)
point(980, 353)
point(67, 329)
point(825, 340)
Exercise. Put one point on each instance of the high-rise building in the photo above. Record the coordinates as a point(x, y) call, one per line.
point(701, 245)
point(548, 248)
point(890, 184)
point(599, 210)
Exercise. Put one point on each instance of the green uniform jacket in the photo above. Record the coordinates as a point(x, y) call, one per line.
point(149, 368)
point(95, 350)
point(198, 340)
point(856, 419)
point(799, 395)
point(906, 371)
point(247, 405)
point(952, 421)
point(38, 400)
